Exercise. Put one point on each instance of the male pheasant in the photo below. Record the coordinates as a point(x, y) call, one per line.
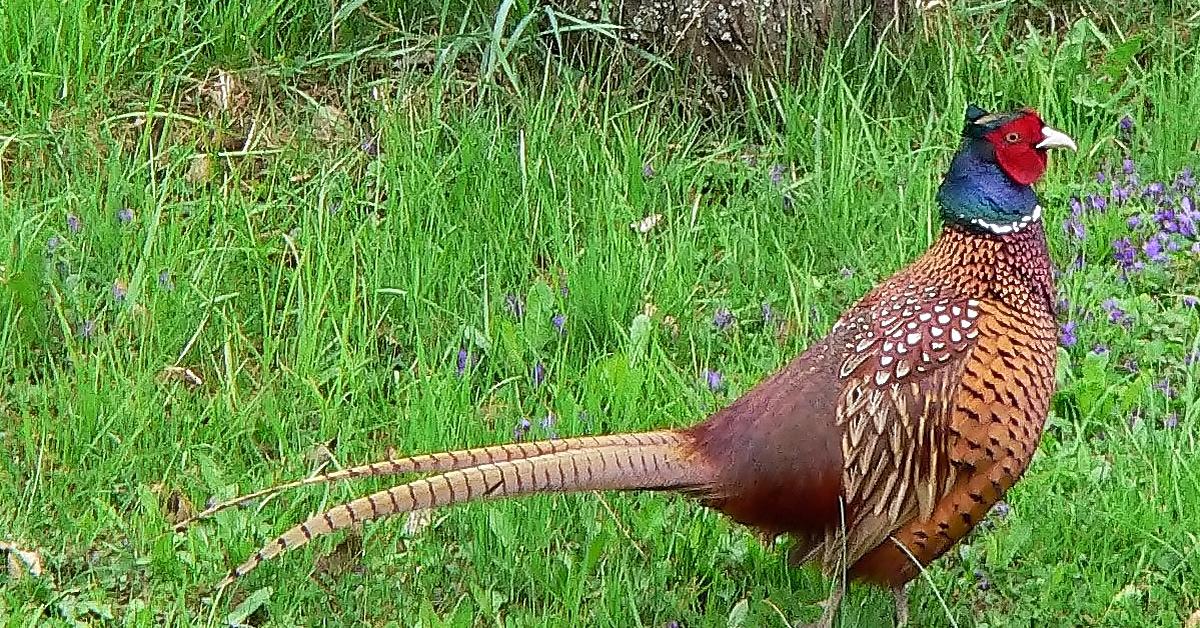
point(876, 449)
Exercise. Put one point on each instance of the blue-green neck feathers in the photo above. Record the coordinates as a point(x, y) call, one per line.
point(978, 195)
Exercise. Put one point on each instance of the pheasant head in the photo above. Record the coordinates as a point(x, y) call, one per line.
point(988, 187)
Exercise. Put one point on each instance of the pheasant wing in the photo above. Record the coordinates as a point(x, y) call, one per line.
point(904, 359)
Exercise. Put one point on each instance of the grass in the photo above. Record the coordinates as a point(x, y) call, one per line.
point(321, 292)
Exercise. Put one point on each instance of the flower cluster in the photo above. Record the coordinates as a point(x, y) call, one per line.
point(1145, 233)
point(1162, 217)
point(722, 319)
point(66, 253)
point(713, 379)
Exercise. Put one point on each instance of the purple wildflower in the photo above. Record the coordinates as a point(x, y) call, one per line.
point(1187, 222)
point(125, 216)
point(1171, 421)
point(1185, 180)
point(1127, 166)
point(776, 174)
point(1195, 248)
point(1134, 221)
point(1154, 249)
point(560, 322)
point(1074, 228)
point(1101, 177)
point(1130, 365)
point(370, 146)
point(1156, 188)
point(521, 429)
point(548, 425)
point(1100, 349)
point(1098, 202)
point(722, 318)
point(713, 379)
point(1116, 315)
point(1164, 386)
point(1067, 336)
point(1191, 358)
point(514, 305)
point(539, 374)
point(981, 580)
point(1126, 124)
point(73, 223)
point(846, 272)
point(1124, 254)
point(1121, 193)
point(768, 313)
point(648, 170)
point(1076, 206)
point(1190, 300)
point(1166, 220)
point(119, 290)
point(463, 358)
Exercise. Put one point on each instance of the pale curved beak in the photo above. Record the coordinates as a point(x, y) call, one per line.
point(1053, 138)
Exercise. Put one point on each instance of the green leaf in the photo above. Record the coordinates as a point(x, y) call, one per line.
point(639, 338)
point(539, 309)
point(501, 526)
point(511, 351)
point(1117, 60)
point(614, 377)
point(477, 338)
point(738, 614)
point(25, 289)
point(1062, 370)
point(593, 554)
point(238, 616)
point(344, 12)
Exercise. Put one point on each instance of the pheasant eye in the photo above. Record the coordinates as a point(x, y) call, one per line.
point(1013, 138)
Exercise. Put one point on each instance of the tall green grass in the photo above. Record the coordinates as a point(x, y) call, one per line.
point(322, 293)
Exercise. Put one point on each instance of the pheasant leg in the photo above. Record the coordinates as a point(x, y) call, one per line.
point(831, 605)
point(900, 595)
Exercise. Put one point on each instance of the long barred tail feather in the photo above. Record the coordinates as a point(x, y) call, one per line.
point(437, 463)
point(659, 461)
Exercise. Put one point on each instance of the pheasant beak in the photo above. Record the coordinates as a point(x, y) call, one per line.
point(1053, 138)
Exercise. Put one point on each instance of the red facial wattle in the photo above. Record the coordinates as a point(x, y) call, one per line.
point(1016, 149)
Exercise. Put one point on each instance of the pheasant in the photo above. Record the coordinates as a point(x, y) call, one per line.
point(878, 448)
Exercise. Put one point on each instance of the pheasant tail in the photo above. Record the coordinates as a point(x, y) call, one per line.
point(649, 461)
point(434, 463)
